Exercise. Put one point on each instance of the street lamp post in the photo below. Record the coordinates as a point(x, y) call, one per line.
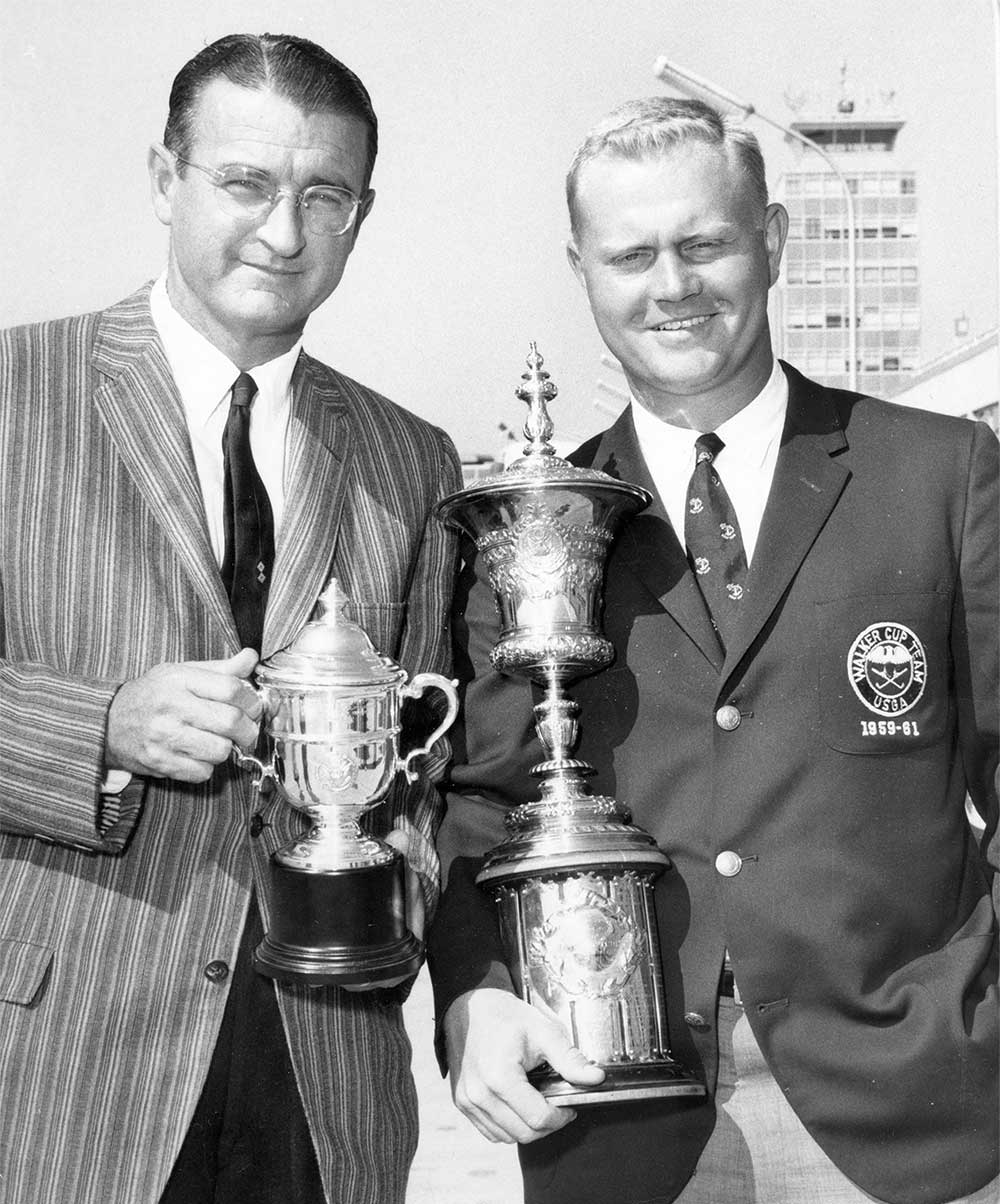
point(670, 73)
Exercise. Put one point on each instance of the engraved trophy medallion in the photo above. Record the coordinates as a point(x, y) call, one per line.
point(331, 712)
point(573, 880)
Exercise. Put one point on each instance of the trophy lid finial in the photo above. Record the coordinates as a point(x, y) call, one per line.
point(537, 391)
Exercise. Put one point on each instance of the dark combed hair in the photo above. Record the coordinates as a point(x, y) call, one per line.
point(294, 68)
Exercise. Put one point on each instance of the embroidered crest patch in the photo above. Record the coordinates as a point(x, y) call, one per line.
point(888, 668)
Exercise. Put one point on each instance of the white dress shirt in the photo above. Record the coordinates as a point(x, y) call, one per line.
point(204, 379)
point(746, 463)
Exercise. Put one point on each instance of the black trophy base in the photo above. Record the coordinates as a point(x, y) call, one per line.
point(636, 1081)
point(340, 927)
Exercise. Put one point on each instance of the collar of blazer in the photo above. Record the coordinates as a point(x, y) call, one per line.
point(139, 404)
point(807, 483)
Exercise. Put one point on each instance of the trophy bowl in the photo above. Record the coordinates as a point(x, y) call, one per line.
point(573, 880)
point(332, 717)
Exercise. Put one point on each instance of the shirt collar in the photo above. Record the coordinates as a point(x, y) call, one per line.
point(203, 375)
point(747, 435)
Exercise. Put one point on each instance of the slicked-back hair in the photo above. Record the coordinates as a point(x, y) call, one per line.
point(644, 129)
point(293, 68)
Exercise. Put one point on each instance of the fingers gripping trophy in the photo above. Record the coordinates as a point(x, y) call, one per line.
point(573, 880)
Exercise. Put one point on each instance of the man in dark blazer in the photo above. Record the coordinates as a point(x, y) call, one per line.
point(800, 742)
point(141, 1058)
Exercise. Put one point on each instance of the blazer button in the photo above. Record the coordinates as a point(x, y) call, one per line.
point(216, 971)
point(257, 824)
point(729, 863)
point(696, 1021)
point(728, 718)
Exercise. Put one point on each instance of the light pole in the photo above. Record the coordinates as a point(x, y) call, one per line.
point(670, 73)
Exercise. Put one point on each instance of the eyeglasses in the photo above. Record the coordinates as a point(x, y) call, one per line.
point(248, 193)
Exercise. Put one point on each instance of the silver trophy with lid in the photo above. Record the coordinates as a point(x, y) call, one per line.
point(332, 715)
point(573, 880)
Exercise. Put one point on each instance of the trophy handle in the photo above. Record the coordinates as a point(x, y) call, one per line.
point(421, 683)
point(245, 760)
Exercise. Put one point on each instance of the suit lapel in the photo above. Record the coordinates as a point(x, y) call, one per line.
point(318, 458)
point(648, 549)
point(141, 409)
point(807, 483)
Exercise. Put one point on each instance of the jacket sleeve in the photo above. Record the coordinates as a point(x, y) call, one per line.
point(52, 722)
point(52, 729)
point(424, 648)
point(975, 626)
point(495, 748)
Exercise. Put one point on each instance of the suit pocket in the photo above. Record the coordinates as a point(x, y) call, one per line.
point(382, 622)
point(23, 970)
point(884, 668)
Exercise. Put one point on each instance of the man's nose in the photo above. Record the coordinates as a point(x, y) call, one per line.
point(283, 229)
point(673, 278)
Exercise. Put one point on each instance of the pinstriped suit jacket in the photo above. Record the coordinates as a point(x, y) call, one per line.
point(110, 911)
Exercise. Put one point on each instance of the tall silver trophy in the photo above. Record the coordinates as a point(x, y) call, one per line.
point(332, 717)
point(573, 880)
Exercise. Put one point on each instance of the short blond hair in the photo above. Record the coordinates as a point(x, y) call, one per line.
point(643, 129)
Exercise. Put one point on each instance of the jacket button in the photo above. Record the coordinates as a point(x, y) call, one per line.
point(728, 863)
point(696, 1021)
point(216, 971)
point(728, 718)
point(257, 824)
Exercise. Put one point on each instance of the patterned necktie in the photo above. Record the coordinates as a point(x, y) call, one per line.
point(249, 524)
point(712, 535)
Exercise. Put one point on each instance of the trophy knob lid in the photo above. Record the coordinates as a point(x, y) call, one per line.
point(330, 649)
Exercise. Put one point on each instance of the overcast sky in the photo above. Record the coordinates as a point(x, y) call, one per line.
point(481, 106)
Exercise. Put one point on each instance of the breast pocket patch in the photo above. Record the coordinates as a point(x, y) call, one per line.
point(883, 672)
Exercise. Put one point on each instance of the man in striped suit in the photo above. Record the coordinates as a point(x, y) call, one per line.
point(141, 1059)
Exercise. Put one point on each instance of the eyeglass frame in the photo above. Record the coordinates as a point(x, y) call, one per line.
point(298, 198)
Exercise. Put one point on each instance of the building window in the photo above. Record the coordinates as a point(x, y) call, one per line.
point(814, 319)
point(908, 275)
point(814, 273)
point(908, 185)
point(796, 319)
point(834, 321)
point(908, 227)
point(869, 231)
point(890, 363)
point(812, 227)
point(869, 275)
point(911, 319)
point(833, 275)
point(890, 232)
point(793, 185)
point(890, 275)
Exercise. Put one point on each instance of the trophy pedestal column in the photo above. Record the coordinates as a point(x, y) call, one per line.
point(338, 927)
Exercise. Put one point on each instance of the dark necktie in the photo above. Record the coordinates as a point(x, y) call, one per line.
point(712, 535)
point(249, 525)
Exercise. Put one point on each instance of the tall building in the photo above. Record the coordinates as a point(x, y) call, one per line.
point(811, 307)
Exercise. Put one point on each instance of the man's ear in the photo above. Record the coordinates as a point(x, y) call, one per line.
point(775, 233)
point(162, 168)
point(573, 255)
point(364, 208)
